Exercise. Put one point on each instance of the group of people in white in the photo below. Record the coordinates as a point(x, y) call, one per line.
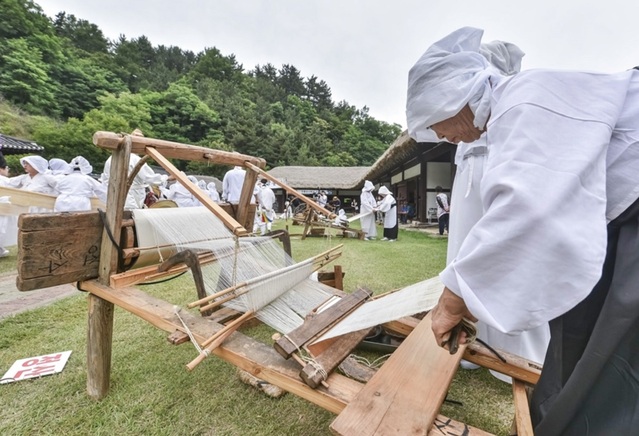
point(74, 188)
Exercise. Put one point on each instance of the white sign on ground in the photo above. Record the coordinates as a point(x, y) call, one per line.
point(36, 367)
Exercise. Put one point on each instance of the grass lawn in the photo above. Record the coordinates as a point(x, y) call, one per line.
point(152, 393)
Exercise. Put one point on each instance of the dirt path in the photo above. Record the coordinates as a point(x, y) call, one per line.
point(12, 301)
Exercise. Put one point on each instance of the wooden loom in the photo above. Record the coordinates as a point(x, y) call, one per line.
point(403, 397)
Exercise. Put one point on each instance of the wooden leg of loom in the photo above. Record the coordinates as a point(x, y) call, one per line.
point(99, 340)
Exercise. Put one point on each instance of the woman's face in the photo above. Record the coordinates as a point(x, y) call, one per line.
point(4, 171)
point(459, 128)
point(29, 169)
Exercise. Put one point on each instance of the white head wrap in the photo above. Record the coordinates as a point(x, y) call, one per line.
point(40, 164)
point(79, 163)
point(383, 191)
point(451, 74)
point(59, 166)
point(368, 186)
point(193, 179)
point(211, 186)
point(201, 184)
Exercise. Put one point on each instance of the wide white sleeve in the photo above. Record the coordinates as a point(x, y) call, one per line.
point(539, 248)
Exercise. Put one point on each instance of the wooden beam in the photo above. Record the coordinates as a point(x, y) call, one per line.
point(175, 150)
point(255, 357)
point(202, 196)
point(405, 395)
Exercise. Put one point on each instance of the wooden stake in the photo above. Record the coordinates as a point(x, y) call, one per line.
point(216, 340)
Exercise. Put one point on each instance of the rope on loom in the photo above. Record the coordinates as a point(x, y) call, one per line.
point(199, 349)
point(309, 360)
point(374, 364)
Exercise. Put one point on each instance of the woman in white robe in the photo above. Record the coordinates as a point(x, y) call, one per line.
point(367, 206)
point(212, 191)
point(388, 206)
point(467, 209)
point(37, 178)
point(77, 188)
point(561, 178)
point(8, 223)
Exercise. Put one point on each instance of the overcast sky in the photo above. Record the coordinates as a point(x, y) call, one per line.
point(364, 49)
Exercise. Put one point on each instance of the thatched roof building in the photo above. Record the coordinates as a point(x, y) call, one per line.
point(409, 169)
point(324, 178)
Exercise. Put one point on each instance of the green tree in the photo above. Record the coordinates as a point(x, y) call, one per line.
point(24, 78)
point(82, 34)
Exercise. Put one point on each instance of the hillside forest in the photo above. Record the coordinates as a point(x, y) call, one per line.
point(61, 80)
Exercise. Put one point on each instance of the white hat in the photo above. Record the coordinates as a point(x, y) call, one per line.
point(40, 164)
point(59, 166)
point(449, 75)
point(79, 163)
point(368, 186)
point(383, 191)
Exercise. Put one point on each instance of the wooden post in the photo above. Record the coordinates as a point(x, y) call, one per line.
point(246, 195)
point(100, 322)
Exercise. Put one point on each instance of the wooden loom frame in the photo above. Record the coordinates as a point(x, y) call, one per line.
point(339, 394)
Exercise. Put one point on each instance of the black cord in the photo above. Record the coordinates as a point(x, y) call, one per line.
point(103, 217)
point(163, 280)
point(492, 350)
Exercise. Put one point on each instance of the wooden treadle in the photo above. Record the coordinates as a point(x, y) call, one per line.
point(405, 395)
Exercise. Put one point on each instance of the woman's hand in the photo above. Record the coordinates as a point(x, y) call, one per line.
point(449, 312)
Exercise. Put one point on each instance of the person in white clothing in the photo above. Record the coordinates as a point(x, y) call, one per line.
point(443, 209)
point(8, 223)
point(265, 199)
point(182, 196)
point(37, 177)
point(212, 191)
point(143, 179)
point(558, 238)
point(388, 206)
point(471, 159)
point(232, 185)
point(77, 189)
point(59, 167)
point(368, 205)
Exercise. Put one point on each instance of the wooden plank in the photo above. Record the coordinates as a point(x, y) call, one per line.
point(202, 196)
point(176, 150)
point(522, 409)
point(59, 251)
point(316, 324)
point(55, 249)
point(514, 366)
point(405, 395)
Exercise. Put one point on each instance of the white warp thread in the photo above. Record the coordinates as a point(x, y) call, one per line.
point(416, 298)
